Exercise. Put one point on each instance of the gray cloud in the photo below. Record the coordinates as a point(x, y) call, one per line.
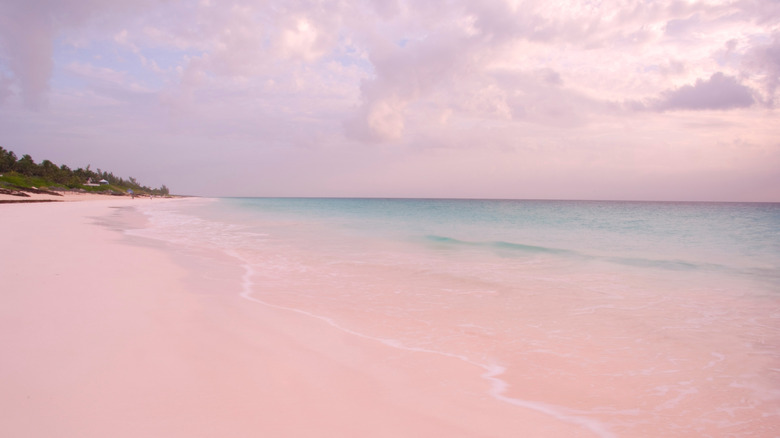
point(765, 61)
point(681, 27)
point(26, 41)
point(719, 92)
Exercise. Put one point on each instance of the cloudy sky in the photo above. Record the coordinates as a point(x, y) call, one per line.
point(612, 99)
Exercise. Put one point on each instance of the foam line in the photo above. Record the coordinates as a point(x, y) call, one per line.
point(498, 387)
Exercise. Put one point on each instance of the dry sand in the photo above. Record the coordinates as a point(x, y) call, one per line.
point(63, 197)
point(104, 335)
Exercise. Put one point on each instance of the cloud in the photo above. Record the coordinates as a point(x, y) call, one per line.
point(464, 49)
point(719, 92)
point(378, 121)
point(405, 71)
point(249, 79)
point(5, 88)
point(28, 30)
point(764, 60)
point(26, 40)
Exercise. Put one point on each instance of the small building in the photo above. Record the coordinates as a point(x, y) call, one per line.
point(103, 182)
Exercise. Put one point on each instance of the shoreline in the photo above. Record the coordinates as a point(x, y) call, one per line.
point(109, 334)
point(69, 196)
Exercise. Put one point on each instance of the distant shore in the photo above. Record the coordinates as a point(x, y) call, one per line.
point(61, 196)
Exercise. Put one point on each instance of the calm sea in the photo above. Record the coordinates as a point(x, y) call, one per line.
point(628, 318)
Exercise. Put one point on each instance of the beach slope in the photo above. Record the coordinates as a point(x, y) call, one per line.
point(109, 335)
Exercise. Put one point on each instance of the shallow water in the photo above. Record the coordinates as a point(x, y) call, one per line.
point(626, 318)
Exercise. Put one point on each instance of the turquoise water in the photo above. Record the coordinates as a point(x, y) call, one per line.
point(740, 238)
point(627, 318)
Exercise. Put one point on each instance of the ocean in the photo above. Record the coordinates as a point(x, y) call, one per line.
point(630, 319)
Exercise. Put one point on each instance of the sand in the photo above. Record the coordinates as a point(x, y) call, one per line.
point(63, 197)
point(106, 335)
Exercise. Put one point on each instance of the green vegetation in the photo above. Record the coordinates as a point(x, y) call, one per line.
point(25, 173)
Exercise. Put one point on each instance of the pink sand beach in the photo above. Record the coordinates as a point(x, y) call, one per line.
point(106, 335)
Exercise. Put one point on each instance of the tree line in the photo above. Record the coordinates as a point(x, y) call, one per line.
point(67, 177)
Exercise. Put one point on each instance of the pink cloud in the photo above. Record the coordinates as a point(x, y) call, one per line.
point(719, 92)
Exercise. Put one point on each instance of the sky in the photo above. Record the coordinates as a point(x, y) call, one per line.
point(612, 99)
